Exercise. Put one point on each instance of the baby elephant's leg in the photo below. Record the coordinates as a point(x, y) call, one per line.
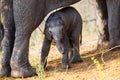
point(45, 52)
point(65, 60)
point(75, 55)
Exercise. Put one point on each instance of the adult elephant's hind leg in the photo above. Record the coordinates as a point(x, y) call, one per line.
point(9, 35)
point(114, 22)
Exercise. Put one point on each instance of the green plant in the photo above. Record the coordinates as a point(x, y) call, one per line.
point(97, 63)
point(99, 66)
point(41, 72)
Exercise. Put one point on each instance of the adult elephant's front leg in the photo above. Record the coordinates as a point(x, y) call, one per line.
point(19, 61)
point(114, 21)
point(27, 17)
point(9, 35)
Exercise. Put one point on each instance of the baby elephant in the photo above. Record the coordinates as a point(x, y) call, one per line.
point(65, 28)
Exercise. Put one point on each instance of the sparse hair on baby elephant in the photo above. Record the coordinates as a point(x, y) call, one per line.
point(65, 28)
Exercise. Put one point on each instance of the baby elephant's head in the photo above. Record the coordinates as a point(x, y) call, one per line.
point(55, 28)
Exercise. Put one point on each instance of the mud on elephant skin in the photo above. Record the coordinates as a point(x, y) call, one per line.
point(65, 27)
point(102, 22)
point(109, 14)
point(20, 19)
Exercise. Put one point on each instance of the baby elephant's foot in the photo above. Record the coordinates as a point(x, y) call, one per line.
point(65, 61)
point(76, 59)
point(65, 65)
point(27, 71)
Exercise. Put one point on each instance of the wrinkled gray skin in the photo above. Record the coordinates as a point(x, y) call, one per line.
point(1, 29)
point(20, 18)
point(1, 33)
point(110, 18)
point(65, 27)
point(28, 14)
point(114, 21)
point(102, 22)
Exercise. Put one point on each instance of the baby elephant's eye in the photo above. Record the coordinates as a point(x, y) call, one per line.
point(50, 32)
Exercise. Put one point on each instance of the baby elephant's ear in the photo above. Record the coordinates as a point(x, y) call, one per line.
point(47, 35)
point(61, 22)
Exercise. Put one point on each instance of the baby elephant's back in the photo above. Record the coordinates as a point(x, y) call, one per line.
point(71, 13)
point(72, 19)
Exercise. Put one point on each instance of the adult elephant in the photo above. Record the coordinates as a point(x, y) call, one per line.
point(102, 21)
point(1, 29)
point(20, 18)
point(1, 33)
point(110, 17)
point(113, 7)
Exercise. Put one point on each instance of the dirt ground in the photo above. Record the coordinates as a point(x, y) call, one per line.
point(93, 67)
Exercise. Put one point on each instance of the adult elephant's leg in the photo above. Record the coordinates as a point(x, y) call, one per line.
point(9, 35)
point(1, 34)
point(102, 22)
point(28, 15)
point(19, 62)
point(114, 21)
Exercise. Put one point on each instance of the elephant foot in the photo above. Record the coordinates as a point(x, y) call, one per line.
point(65, 65)
point(114, 44)
point(101, 46)
point(76, 59)
point(5, 72)
point(23, 72)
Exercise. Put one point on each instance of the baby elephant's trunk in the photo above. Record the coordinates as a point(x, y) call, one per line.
point(60, 46)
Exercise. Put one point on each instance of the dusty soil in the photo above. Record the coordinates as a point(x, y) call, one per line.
point(93, 67)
